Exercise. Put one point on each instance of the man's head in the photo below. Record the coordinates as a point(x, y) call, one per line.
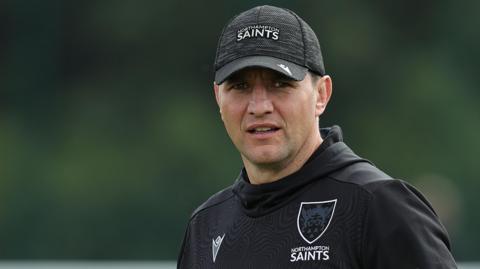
point(271, 88)
point(269, 37)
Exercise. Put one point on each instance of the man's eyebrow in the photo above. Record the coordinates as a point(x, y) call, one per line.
point(235, 77)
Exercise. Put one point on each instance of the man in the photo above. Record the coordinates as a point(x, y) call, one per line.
point(303, 199)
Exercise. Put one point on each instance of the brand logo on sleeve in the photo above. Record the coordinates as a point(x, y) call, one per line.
point(314, 218)
point(216, 243)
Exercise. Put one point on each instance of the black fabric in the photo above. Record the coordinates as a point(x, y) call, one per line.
point(261, 199)
point(337, 211)
point(290, 70)
point(281, 34)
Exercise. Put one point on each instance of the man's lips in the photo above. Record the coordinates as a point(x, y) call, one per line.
point(262, 128)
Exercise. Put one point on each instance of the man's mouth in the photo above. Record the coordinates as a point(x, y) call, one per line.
point(262, 130)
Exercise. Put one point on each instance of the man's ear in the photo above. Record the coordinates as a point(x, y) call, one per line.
point(216, 89)
point(324, 92)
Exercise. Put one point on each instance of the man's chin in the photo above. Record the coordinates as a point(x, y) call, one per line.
point(264, 158)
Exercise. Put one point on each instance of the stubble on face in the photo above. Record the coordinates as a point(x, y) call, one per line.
point(270, 119)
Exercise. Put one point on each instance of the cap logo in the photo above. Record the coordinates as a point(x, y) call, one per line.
point(285, 68)
point(258, 31)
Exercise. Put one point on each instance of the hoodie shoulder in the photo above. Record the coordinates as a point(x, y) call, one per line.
point(363, 174)
point(214, 200)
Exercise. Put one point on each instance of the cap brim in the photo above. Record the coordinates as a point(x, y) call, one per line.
point(289, 69)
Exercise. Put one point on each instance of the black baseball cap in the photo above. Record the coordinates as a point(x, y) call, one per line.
point(270, 37)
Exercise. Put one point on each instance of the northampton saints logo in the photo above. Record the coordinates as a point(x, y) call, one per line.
point(313, 219)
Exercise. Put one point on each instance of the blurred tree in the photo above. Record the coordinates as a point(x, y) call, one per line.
point(110, 135)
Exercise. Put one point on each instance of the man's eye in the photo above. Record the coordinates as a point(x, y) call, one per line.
point(240, 86)
point(280, 84)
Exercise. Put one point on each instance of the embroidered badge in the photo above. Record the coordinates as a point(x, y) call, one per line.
point(313, 219)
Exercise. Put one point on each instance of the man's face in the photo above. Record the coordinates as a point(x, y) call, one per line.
point(270, 118)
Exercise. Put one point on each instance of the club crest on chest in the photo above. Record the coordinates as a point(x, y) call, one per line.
point(314, 218)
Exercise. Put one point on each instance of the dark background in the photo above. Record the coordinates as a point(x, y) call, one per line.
point(110, 135)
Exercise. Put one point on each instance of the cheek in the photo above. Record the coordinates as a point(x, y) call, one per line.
point(301, 109)
point(300, 116)
point(231, 116)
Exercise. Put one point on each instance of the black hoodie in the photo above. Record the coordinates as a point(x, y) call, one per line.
point(337, 211)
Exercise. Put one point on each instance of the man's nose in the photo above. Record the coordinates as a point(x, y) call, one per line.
point(260, 103)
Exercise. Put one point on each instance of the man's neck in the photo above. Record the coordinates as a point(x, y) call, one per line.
point(261, 174)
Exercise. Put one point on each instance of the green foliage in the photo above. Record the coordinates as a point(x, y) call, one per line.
point(110, 135)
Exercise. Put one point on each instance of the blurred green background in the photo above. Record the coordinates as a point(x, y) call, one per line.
point(110, 135)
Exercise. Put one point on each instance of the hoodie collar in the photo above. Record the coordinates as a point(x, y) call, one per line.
point(331, 155)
